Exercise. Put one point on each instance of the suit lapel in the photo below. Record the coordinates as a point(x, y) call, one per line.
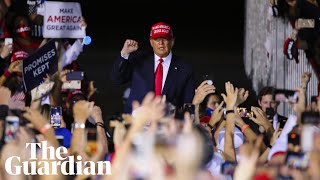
point(172, 73)
point(150, 73)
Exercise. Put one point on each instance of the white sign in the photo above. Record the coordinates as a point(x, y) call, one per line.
point(62, 20)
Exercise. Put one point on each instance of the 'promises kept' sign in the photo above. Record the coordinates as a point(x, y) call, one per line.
point(36, 66)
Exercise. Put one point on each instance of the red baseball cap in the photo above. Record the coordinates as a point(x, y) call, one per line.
point(161, 29)
point(19, 55)
point(290, 49)
point(75, 92)
point(205, 119)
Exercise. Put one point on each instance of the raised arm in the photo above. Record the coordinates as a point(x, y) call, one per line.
point(13, 67)
point(81, 111)
point(245, 128)
point(230, 100)
point(123, 66)
point(151, 109)
point(101, 133)
point(201, 92)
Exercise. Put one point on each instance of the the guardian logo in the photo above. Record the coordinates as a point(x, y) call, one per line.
point(53, 162)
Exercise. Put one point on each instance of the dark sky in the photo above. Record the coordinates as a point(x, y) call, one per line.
point(209, 34)
point(202, 23)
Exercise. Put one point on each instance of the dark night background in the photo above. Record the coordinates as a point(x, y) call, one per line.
point(209, 34)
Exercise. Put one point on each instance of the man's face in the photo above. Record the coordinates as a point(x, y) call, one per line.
point(268, 102)
point(213, 102)
point(22, 29)
point(161, 46)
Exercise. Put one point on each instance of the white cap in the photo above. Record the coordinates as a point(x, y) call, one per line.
point(237, 140)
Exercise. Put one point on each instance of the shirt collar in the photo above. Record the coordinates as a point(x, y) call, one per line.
point(275, 117)
point(165, 59)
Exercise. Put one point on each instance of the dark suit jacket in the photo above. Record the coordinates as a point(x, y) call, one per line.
point(139, 71)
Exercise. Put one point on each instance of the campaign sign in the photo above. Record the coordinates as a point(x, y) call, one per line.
point(62, 20)
point(36, 66)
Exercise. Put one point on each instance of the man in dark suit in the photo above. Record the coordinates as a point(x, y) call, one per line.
point(160, 72)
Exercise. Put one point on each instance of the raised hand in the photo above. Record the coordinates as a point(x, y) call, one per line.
point(119, 133)
point(202, 91)
point(129, 46)
point(36, 118)
point(63, 75)
point(216, 115)
point(262, 120)
point(96, 114)
point(231, 98)
point(261, 117)
point(305, 78)
point(6, 50)
point(82, 110)
point(15, 66)
point(151, 109)
point(242, 96)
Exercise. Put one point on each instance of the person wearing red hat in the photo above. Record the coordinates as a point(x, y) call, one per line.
point(160, 72)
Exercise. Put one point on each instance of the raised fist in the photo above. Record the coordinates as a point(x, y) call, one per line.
point(129, 46)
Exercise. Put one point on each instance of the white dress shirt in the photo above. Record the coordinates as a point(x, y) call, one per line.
point(165, 65)
point(275, 121)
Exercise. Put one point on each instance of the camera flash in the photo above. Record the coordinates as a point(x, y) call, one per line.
point(209, 82)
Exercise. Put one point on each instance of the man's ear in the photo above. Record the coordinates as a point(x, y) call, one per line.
point(150, 40)
point(172, 42)
point(259, 102)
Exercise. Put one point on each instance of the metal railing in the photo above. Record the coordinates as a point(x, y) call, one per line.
point(264, 60)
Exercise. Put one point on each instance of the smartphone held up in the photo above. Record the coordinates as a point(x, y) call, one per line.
point(285, 95)
point(55, 116)
point(8, 41)
point(11, 128)
point(244, 112)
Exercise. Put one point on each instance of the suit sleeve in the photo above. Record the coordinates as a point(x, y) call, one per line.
point(121, 71)
point(189, 87)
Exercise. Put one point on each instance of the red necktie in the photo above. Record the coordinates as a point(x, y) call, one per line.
point(158, 78)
